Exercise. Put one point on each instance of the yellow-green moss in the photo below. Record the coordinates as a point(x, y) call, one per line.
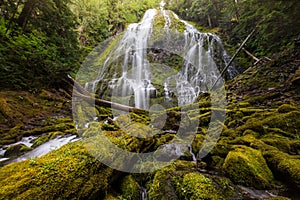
point(16, 150)
point(130, 188)
point(247, 166)
point(278, 198)
point(197, 142)
point(280, 142)
point(67, 173)
point(284, 167)
point(252, 124)
point(289, 122)
point(163, 186)
point(195, 186)
point(285, 108)
point(40, 140)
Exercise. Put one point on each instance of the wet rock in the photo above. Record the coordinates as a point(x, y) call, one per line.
point(16, 150)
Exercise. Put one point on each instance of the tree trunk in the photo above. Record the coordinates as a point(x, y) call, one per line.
point(26, 13)
point(12, 17)
point(209, 21)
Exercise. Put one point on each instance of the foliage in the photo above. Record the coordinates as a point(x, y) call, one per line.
point(99, 20)
point(38, 43)
point(278, 22)
point(39, 40)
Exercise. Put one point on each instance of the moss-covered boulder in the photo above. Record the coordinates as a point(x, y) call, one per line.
point(130, 188)
point(285, 108)
point(67, 173)
point(247, 166)
point(162, 185)
point(181, 180)
point(40, 140)
point(284, 167)
point(196, 186)
point(16, 150)
point(252, 124)
point(288, 122)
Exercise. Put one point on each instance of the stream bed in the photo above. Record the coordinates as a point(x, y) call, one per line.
point(38, 151)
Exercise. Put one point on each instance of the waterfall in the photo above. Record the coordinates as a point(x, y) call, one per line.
point(143, 193)
point(132, 82)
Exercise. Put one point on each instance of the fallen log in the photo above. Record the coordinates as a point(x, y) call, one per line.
point(82, 94)
point(233, 57)
point(104, 103)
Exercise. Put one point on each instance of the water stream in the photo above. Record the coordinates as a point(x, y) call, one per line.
point(143, 193)
point(40, 150)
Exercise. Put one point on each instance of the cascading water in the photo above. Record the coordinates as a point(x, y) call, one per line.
point(132, 82)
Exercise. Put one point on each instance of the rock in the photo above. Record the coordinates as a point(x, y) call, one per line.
point(130, 188)
point(67, 173)
point(289, 122)
point(247, 166)
point(16, 150)
point(181, 181)
point(284, 167)
point(285, 108)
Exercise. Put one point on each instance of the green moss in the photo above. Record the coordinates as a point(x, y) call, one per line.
point(247, 166)
point(163, 186)
point(284, 167)
point(254, 125)
point(12, 135)
point(244, 140)
point(130, 188)
point(40, 140)
point(197, 142)
point(278, 198)
point(295, 147)
point(289, 122)
point(251, 132)
point(111, 197)
point(55, 127)
point(280, 142)
point(285, 108)
point(67, 173)
point(8, 112)
point(196, 186)
point(16, 150)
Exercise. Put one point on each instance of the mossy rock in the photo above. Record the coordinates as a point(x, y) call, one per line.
point(162, 187)
point(195, 186)
point(13, 135)
point(197, 142)
point(248, 167)
point(284, 167)
point(289, 122)
point(130, 188)
point(16, 150)
point(244, 140)
point(285, 108)
point(252, 124)
point(65, 126)
point(40, 140)
point(182, 181)
point(278, 198)
point(280, 142)
point(67, 173)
